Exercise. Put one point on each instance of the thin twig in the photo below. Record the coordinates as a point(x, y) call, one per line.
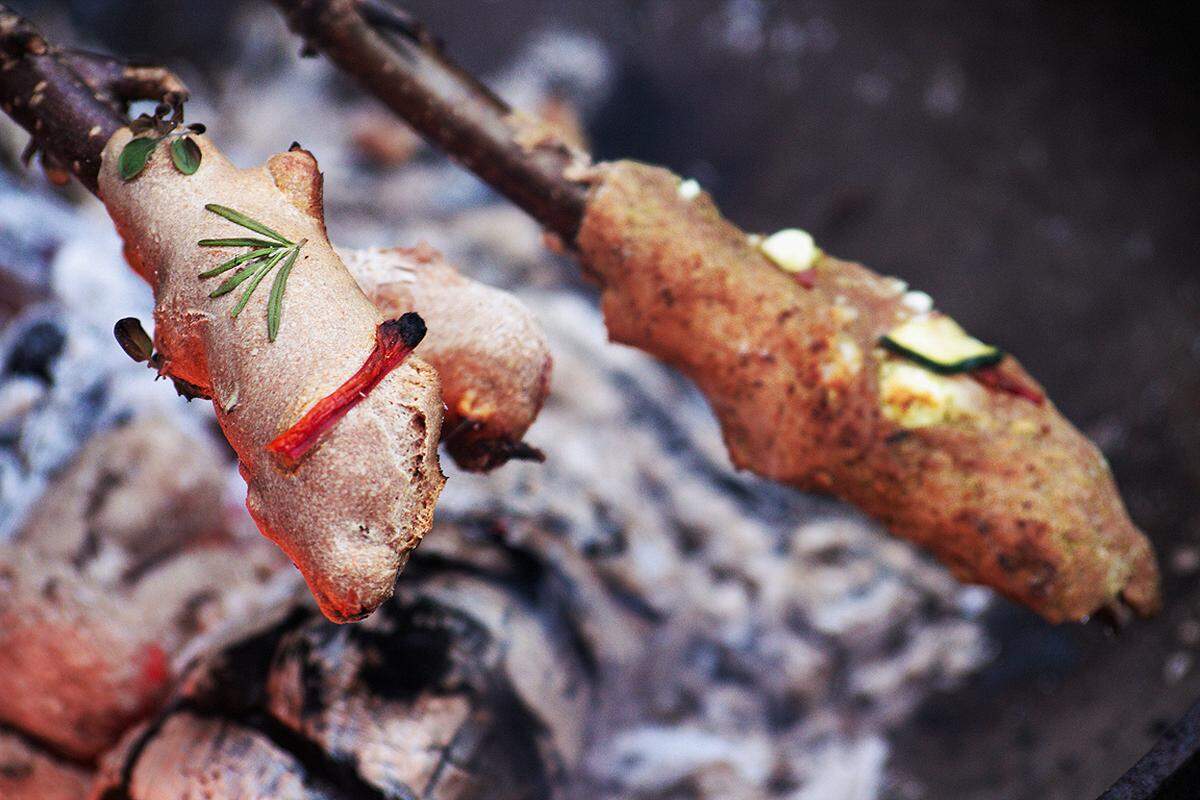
point(399, 62)
point(119, 82)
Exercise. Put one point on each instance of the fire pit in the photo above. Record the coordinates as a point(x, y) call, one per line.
point(633, 618)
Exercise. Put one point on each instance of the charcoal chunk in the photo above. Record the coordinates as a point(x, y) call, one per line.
point(36, 350)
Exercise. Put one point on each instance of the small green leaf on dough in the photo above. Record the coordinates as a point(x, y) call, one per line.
point(186, 155)
point(134, 157)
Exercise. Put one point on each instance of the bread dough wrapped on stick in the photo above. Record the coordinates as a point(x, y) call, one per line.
point(831, 378)
point(491, 356)
point(334, 424)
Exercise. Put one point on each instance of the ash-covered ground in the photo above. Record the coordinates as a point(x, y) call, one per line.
point(793, 649)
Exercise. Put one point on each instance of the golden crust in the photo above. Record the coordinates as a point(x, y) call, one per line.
point(1008, 494)
point(358, 503)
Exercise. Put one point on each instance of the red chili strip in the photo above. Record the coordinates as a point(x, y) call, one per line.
point(394, 340)
point(806, 278)
point(1001, 380)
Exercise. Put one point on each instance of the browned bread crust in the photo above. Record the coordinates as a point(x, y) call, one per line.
point(354, 508)
point(1004, 491)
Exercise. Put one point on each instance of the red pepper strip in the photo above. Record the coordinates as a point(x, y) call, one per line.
point(806, 278)
point(394, 340)
point(994, 377)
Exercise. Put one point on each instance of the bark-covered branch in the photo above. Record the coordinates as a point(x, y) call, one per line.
point(71, 101)
point(47, 97)
point(118, 83)
point(395, 59)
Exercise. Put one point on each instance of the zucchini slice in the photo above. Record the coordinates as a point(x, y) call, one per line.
point(938, 342)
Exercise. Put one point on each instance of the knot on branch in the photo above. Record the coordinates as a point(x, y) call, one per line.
point(18, 37)
point(118, 83)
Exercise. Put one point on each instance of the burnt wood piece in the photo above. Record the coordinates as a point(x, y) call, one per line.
point(467, 684)
point(1170, 771)
point(124, 562)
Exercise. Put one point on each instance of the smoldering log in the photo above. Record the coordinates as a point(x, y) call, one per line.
point(124, 563)
point(463, 686)
point(29, 772)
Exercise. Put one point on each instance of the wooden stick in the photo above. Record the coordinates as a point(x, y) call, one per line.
point(72, 101)
point(395, 59)
point(48, 98)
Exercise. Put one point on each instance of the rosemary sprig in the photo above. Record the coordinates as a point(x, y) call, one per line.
point(236, 243)
point(238, 218)
point(254, 265)
point(275, 302)
point(259, 274)
point(236, 260)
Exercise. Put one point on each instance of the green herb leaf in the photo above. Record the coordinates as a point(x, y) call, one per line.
point(133, 339)
point(275, 302)
point(134, 156)
point(267, 266)
point(238, 218)
point(186, 155)
point(253, 255)
point(236, 279)
point(246, 242)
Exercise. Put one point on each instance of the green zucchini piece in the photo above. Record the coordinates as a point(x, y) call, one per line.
point(938, 342)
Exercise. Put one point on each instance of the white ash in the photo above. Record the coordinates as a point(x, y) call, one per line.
point(1188, 632)
point(1185, 560)
point(656, 758)
point(849, 770)
point(556, 63)
point(740, 26)
point(774, 617)
point(1177, 666)
point(91, 383)
point(945, 90)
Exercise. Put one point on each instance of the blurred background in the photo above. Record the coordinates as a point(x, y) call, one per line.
point(1035, 166)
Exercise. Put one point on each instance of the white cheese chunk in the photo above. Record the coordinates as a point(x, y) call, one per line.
point(689, 190)
point(914, 397)
point(792, 249)
point(917, 302)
